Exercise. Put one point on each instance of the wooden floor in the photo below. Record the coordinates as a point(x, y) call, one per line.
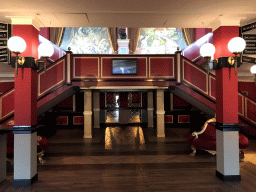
point(130, 159)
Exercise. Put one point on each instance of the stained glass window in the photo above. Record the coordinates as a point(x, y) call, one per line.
point(160, 41)
point(86, 40)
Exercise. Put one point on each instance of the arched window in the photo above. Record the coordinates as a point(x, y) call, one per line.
point(160, 41)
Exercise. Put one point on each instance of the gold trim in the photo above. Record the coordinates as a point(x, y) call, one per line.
point(162, 58)
point(2, 103)
point(77, 123)
point(62, 124)
point(74, 67)
point(39, 94)
point(183, 122)
point(134, 77)
point(172, 118)
point(191, 83)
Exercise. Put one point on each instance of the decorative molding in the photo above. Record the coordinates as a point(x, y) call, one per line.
point(167, 117)
point(162, 58)
point(150, 109)
point(74, 67)
point(191, 83)
point(74, 117)
point(160, 112)
point(242, 114)
point(87, 113)
point(183, 116)
point(246, 105)
point(126, 77)
point(210, 87)
point(64, 123)
point(39, 75)
point(25, 20)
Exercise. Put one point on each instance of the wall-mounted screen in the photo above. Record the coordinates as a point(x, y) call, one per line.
point(124, 66)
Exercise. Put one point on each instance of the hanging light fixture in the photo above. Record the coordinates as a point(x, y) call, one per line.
point(207, 51)
point(17, 45)
point(236, 46)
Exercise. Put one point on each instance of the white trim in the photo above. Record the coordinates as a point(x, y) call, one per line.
point(150, 109)
point(246, 110)
point(74, 67)
point(126, 77)
point(242, 114)
point(210, 88)
point(39, 94)
point(191, 83)
point(163, 58)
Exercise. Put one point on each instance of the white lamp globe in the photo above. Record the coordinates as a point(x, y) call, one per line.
point(253, 69)
point(236, 45)
point(16, 44)
point(207, 50)
point(45, 50)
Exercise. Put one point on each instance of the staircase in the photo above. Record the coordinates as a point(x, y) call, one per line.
point(186, 80)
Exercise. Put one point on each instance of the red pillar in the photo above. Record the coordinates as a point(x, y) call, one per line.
point(221, 37)
point(226, 80)
point(30, 34)
point(226, 96)
point(25, 100)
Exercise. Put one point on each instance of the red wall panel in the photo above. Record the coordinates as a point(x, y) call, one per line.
point(248, 87)
point(67, 103)
point(195, 77)
point(62, 120)
point(54, 77)
point(86, 67)
point(5, 86)
point(241, 104)
point(161, 67)
point(212, 87)
point(78, 120)
point(7, 103)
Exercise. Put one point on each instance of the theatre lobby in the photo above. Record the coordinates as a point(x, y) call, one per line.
point(138, 95)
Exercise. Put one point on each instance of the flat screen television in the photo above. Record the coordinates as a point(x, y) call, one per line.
point(124, 66)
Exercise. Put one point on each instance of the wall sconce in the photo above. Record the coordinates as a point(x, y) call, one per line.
point(253, 71)
point(207, 51)
point(236, 46)
point(45, 50)
point(17, 45)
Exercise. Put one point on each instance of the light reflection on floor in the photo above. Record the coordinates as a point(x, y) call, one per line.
point(133, 116)
point(131, 137)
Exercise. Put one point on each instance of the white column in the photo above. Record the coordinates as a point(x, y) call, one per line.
point(160, 113)
point(179, 70)
point(74, 103)
point(150, 109)
point(25, 158)
point(87, 114)
point(3, 157)
point(96, 109)
point(227, 145)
